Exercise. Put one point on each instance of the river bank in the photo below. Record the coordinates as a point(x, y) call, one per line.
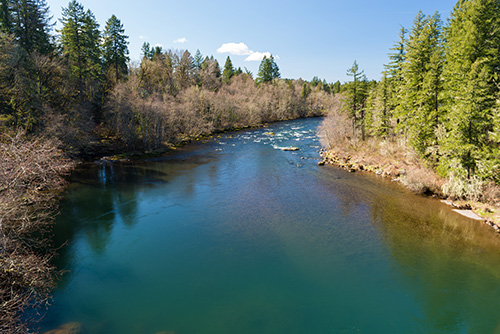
point(405, 168)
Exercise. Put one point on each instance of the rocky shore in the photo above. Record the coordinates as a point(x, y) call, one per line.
point(474, 210)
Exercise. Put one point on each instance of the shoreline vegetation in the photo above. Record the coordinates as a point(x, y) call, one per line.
point(74, 96)
point(432, 121)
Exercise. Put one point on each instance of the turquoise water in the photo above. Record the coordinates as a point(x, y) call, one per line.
point(237, 236)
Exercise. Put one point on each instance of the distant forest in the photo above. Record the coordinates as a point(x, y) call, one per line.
point(78, 86)
point(73, 92)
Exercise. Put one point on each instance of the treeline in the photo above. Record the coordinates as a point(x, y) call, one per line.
point(75, 90)
point(439, 93)
point(80, 88)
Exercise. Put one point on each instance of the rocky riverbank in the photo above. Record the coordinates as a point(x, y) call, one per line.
point(399, 172)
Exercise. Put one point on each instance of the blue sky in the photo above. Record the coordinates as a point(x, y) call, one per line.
point(309, 38)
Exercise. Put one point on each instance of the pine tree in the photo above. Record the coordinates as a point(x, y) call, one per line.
point(80, 40)
point(268, 70)
point(228, 71)
point(115, 50)
point(471, 75)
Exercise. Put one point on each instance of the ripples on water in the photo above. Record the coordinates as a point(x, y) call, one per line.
point(238, 236)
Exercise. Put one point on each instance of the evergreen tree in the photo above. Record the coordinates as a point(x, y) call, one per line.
point(268, 70)
point(471, 74)
point(147, 51)
point(80, 40)
point(421, 83)
point(356, 98)
point(5, 17)
point(198, 59)
point(29, 22)
point(228, 71)
point(115, 50)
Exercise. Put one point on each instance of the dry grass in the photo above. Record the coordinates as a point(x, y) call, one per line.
point(392, 158)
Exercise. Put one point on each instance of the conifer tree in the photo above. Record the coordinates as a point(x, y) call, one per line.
point(421, 77)
point(268, 70)
point(356, 98)
point(80, 40)
point(228, 71)
point(29, 22)
point(115, 50)
point(471, 74)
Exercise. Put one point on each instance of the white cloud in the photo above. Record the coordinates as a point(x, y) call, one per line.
point(181, 40)
point(257, 56)
point(239, 49)
point(142, 37)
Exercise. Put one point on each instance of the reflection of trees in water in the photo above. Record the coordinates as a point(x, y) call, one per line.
point(451, 262)
point(100, 196)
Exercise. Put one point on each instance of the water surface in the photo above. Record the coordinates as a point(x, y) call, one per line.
point(237, 236)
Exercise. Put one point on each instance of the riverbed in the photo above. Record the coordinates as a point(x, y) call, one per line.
point(237, 235)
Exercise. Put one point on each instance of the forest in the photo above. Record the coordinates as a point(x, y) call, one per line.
point(438, 100)
point(72, 94)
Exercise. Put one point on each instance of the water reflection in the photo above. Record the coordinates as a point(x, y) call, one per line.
point(239, 236)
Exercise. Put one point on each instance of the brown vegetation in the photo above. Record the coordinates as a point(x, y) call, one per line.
point(147, 116)
point(30, 179)
point(391, 157)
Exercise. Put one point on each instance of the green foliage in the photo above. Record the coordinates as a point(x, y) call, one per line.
point(471, 73)
point(356, 95)
point(268, 70)
point(420, 86)
point(29, 22)
point(228, 71)
point(80, 41)
point(114, 49)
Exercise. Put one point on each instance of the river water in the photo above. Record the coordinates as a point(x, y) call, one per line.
point(237, 236)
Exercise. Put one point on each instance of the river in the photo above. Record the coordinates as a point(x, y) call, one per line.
point(237, 236)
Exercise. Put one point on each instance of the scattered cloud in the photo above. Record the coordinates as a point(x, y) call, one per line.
point(257, 56)
point(180, 40)
point(241, 49)
point(142, 37)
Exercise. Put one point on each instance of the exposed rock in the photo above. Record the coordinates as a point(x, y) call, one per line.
point(290, 148)
point(469, 214)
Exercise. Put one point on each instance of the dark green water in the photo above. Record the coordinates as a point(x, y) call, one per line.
point(237, 236)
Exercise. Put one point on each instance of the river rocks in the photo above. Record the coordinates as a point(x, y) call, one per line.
point(290, 148)
point(322, 162)
point(68, 328)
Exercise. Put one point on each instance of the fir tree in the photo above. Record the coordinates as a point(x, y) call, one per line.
point(115, 50)
point(29, 21)
point(268, 70)
point(80, 39)
point(228, 71)
point(356, 98)
point(471, 75)
point(421, 77)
